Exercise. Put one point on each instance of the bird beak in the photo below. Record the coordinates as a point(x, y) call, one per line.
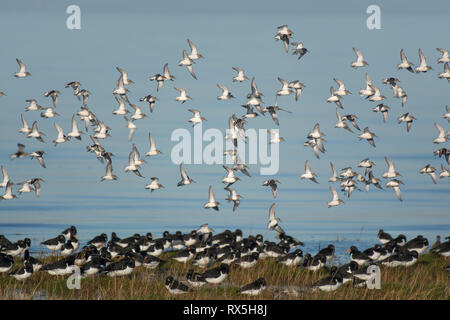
point(348, 250)
point(75, 237)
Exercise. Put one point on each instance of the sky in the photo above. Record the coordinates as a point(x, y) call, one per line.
point(141, 37)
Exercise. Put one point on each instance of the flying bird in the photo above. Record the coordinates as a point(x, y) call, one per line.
point(284, 34)
point(151, 101)
point(408, 119)
point(35, 133)
point(194, 52)
point(154, 184)
point(273, 184)
point(308, 173)
point(359, 60)
point(182, 97)
point(212, 203)
point(367, 135)
point(445, 57)
point(341, 123)
point(233, 196)
point(442, 137)
point(383, 109)
point(8, 195)
point(185, 180)
point(395, 185)
point(196, 118)
point(390, 173)
point(299, 49)
point(431, 171)
point(226, 94)
point(153, 151)
point(187, 62)
point(405, 64)
point(39, 156)
point(423, 67)
point(109, 175)
point(240, 75)
point(335, 201)
point(23, 73)
point(20, 153)
point(273, 221)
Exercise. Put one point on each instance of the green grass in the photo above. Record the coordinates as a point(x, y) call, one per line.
point(427, 279)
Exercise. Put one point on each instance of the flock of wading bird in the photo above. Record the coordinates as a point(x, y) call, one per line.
point(219, 253)
point(198, 245)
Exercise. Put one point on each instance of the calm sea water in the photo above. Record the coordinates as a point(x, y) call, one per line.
point(142, 37)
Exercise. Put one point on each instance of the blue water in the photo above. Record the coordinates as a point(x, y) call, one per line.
point(141, 37)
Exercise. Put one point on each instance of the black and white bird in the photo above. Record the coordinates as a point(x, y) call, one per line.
point(121, 268)
point(273, 184)
point(195, 279)
point(254, 288)
point(330, 283)
point(212, 203)
point(175, 287)
point(299, 49)
point(61, 267)
point(359, 257)
point(217, 274)
point(56, 243)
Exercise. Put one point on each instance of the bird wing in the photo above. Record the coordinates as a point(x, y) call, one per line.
point(41, 161)
point(398, 193)
point(307, 169)
point(152, 141)
point(108, 168)
point(334, 193)
point(193, 47)
point(191, 71)
point(5, 174)
point(224, 89)
point(211, 195)
point(368, 81)
point(74, 124)
point(272, 212)
point(338, 115)
point(183, 173)
point(333, 168)
point(440, 129)
point(60, 131)
point(403, 56)
point(340, 84)
point(358, 54)
point(25, 124)
point(423, 62)
point(283, 82)
point(21, 65)
point(166, 69)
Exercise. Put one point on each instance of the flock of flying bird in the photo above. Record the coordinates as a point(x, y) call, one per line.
point(202, 249)
point(347, 177)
